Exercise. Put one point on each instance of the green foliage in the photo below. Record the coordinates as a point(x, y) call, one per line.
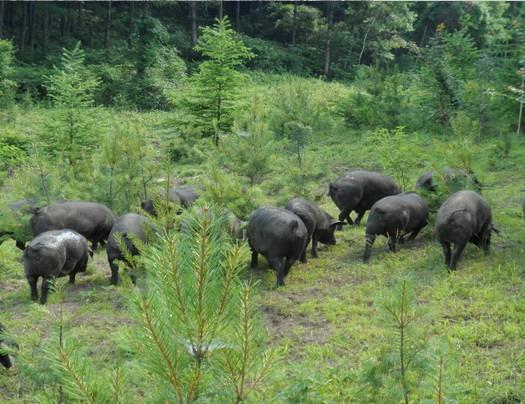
point(71, 87)
point(400, 367)
point(124, 166)
point(294, 101)
point(6, 69)
point(250, 150)
point(214, 88)
point(196, 317)
point(226, 190)
point(14, 150)
point(74, 376)
point(396, 152)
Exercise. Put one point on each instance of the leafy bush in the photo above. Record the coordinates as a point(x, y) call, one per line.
point(6, 62)
point(310, 103)
point(226, 190)
point(396, 152)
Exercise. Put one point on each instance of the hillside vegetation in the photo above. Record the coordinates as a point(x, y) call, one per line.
point(250, 118)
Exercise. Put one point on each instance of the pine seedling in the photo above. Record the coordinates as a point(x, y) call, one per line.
point(76, 378)
point(246, 363)
point(397, 369)
point(192, 310)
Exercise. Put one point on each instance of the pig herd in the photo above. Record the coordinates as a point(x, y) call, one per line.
point(282, 235)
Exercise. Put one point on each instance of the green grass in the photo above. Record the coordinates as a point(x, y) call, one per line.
point(326, 316)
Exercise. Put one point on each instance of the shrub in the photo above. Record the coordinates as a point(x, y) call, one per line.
point(396, 152)
point(6, 62)
point(226, 190)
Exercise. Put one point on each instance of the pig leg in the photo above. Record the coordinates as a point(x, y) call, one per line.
point(114, 272)
point(485, 238)
point(32, 280)
point(345, 215)
point(359, 217)
point(314, 246)
point(458, 249)
point(278, 264)
point(254, 261)
point(287, 265)
point(486, 244)
point(370, 238)
point(446, 251)
point(303, 258)
point(392, 239)
point(72, 277)
point(416, 231)
point(45, 289)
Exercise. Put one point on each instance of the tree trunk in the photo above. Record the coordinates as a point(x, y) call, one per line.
point(80, 29)
point(108, 25)
point(25, 8)
point(294, 22)
point(238, 15)
point(193, 12)
point(68, 18)
point(131, 26)
point(520, 116)
point(45, 28)
point(62, 25)
point(2, 18)
point(221, 9)
point(327, 56)
point(90, 27)
point(141, 62)
point(32, 6)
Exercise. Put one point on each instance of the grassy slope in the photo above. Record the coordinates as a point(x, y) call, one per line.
point(326, 314)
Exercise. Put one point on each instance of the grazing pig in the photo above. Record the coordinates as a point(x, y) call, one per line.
point(279, 235)
point(359, 190)
point(93, 220)
point(5, 361)
point(54, 253)
point(183, 196)
point(464, 217)
point(319, 224)
point(451, 176)
point(129, 224)
point(394, 217)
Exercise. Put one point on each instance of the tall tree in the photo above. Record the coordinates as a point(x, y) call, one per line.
point(193, 13)
point(108, 25)
point(25, 11)
point(214, 88)
point(294, 22)
point(32, 25)
point(238, 16)
point(328, 43)
point(2, 8)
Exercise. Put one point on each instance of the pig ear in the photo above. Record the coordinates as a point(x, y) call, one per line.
point(336, 223)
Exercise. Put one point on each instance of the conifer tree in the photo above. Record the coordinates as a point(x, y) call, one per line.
point(198, 331)
point(71, 88)
point(214, 88)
